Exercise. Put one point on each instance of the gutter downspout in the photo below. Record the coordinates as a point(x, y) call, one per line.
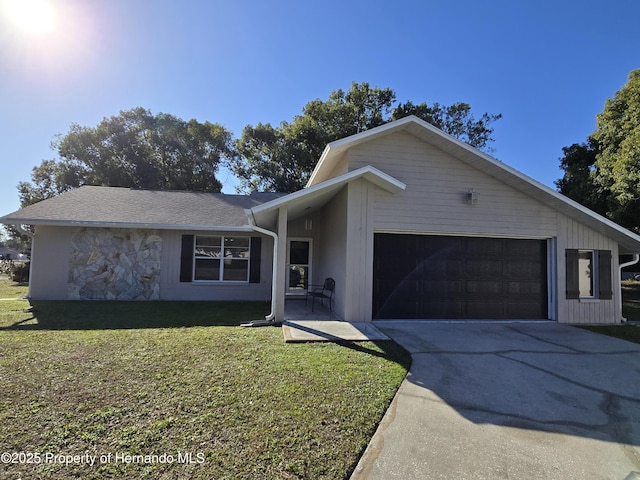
point(636, 258)
point(32, 237)
point(271, 318)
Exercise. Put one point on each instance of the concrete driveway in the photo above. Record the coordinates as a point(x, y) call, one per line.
point(509, 400)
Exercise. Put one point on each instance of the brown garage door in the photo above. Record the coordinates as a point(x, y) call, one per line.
point(438, 277)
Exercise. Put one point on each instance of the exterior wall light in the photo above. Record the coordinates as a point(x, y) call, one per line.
point(308, 222)
point(472, 197)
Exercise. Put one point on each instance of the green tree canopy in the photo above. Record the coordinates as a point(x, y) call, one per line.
point(618, 159)
point(282, 158)
point(579, 180)
point(456, 120)
point(133, 149)
point(604, 173)
point(271, 159)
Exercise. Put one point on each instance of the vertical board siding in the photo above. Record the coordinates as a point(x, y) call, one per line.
point(359, 281)
point(574, 235)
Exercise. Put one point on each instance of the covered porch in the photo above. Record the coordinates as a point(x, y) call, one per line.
point(296, 307)
point(324, 231)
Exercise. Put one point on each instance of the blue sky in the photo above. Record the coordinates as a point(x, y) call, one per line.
point(547, 66)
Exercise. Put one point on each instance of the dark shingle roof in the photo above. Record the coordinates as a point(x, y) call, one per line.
point(113, 206)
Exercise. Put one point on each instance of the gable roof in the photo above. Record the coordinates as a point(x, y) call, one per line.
point(334, 152)
point(316, 196)
point(129, 208)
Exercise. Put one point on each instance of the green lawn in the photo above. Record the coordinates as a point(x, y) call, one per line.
point(11, 289)
point(154, 379)
point(630, 310)
point(631, 300)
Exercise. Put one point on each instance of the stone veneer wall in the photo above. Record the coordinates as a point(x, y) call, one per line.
point(114, 264)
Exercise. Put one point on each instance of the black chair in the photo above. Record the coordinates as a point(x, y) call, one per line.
point(321, 291)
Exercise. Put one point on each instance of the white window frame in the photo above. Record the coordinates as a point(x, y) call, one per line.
point(222, 258)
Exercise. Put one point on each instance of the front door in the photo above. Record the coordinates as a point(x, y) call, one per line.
point(298, 265)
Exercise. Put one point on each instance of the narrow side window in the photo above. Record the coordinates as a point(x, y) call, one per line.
point(586, 274)
point(589, 274)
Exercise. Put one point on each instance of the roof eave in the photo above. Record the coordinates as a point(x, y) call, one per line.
point(312, 178)
point(145, 226)
point(372, 174)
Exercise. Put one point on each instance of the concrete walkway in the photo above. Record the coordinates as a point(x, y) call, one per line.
point(330, 331)
point(517, 401)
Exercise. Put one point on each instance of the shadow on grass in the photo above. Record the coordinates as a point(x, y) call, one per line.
point(389, 350)
point(98, 315)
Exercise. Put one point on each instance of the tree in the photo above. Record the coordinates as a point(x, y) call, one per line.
point(133, 149)
point(11, 238)
point(604, 173)
point(618, 159)
point(47, 181)
point(272, 159)
point(456, 120)
point(579, 179)
point(282, 158)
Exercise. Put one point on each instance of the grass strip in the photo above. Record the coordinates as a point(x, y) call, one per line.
point(184, 381)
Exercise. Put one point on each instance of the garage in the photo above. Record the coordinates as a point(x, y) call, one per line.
point(451, 277)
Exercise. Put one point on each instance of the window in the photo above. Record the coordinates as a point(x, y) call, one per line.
point(586, 274)
point(589, 274)
point(221, 259)
point(217, 258)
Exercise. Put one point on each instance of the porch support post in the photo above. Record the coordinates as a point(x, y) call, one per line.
point(359, 252)
point(281, 266)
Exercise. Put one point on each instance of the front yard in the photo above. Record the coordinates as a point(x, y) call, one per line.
point(630, 310)
point(631, 299)
point(178, 390)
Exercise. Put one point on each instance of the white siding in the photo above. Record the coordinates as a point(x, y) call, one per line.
point(331, 258)
point(339, 168)
point(50, 258)
point(50, 273)
point(574, 235)
point(437, 186)
point(435, 202)
point(359, 274)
